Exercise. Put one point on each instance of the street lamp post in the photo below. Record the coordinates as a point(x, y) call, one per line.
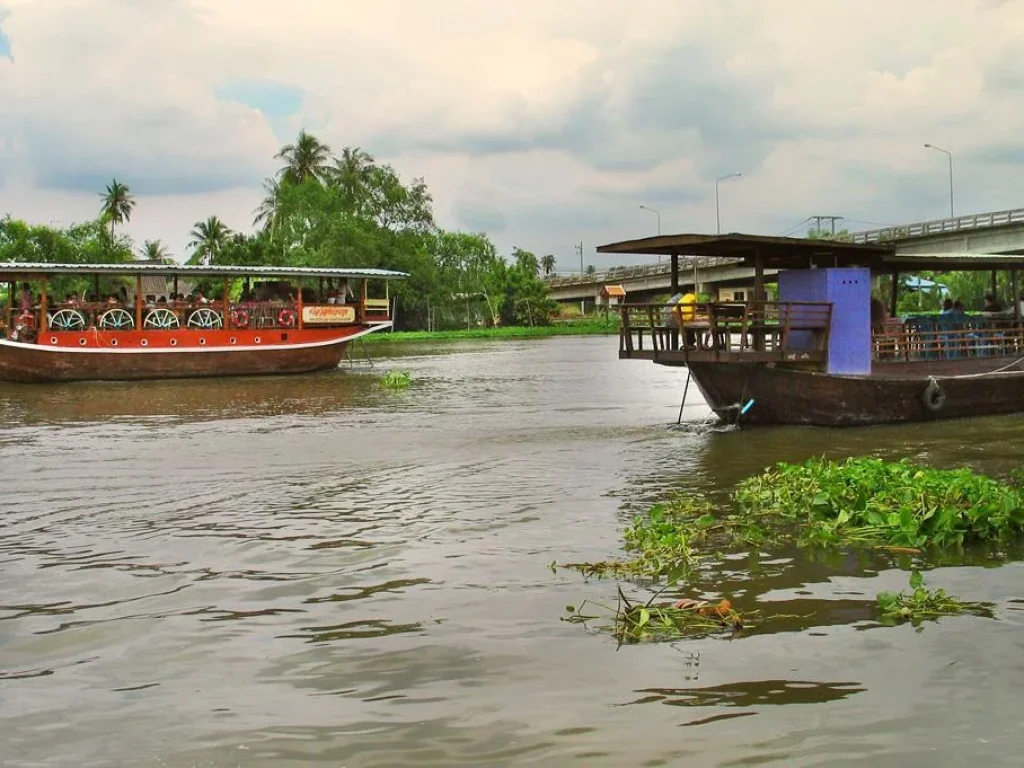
point(718, 215)
point(949, 156)
point(644, 207)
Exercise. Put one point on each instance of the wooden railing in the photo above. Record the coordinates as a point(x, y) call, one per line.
point(940, 338)
point(755, 331)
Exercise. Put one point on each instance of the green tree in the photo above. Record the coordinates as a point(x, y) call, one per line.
point(307, 158)
point(207, 239)
point(352, 175)
point(842, 235)
point(118, 204)
point(548, 264)
point(155, 250)
point(267, 215)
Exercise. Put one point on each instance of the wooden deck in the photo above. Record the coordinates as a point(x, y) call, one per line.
point(749, 332)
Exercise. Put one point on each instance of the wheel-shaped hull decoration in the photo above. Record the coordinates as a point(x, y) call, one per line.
point(67, 320)
point(205, 319)
point(116, 320)
point(161, 318)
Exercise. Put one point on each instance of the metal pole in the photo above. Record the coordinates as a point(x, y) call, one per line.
point(685, 390)
point(949, 156)
point(718, 217)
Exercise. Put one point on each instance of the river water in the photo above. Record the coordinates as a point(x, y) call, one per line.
point(317, 571)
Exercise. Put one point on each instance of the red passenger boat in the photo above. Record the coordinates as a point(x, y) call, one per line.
point(73, 322)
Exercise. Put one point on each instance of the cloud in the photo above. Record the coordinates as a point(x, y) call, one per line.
point(542, 123)
point(5, 42)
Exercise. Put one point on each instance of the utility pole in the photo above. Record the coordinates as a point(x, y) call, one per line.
point(583, 302)
point(831, 219)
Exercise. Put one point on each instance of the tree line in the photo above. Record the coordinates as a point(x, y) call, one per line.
point(323, 209)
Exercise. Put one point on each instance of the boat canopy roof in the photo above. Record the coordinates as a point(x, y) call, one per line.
point(26, 270)
point(803, 253)
point(777, 252)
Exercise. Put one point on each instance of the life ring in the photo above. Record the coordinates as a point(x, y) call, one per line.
point(286, 318)
point(934, 396)
point(239, 318)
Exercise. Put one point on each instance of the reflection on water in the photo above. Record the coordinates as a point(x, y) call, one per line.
point(315, 570)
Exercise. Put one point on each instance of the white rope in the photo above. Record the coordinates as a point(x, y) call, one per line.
point(1005, 369)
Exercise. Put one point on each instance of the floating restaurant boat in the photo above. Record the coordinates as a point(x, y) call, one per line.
point(281, 320)
point(816, 355)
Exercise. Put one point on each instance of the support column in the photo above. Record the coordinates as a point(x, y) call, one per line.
point(675, 273)
point(138, 303)
point(298, 307)
point(1015, 297)
point(894, 290)
point(42, 309)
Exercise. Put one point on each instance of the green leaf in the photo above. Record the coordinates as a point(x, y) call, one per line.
point(645, 616)
point(916, 580)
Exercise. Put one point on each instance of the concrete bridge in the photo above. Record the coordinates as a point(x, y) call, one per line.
point(998, 232)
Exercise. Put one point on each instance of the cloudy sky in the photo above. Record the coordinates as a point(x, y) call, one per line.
point(540, 122)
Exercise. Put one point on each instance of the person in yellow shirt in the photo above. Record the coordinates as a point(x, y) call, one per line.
point(687, 314)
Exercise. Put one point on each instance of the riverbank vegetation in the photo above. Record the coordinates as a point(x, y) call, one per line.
point(327, 209)
point(395, 380)
point(583, 327)
point(900, 507)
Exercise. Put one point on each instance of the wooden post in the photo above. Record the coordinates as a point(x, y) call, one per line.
point(225, 298)
point(96, 287)
point(995, 285)
point(298, 307)
point(758, 278)
point(42, 309)
point(894, 290)
point(138, 303)
point(1015, 297)
point(11, 288)
point(675, 273)
point(175, 287)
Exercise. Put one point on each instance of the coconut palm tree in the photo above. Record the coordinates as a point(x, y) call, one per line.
point(307, 158)
point(118, 204)
point(267, 214)
point(548, 264)
point(155, 250)
point(351, 174)
point(208, 237)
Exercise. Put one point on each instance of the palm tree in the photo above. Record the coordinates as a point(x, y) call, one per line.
point(117, 204)
point(548, 264)
point(267, 214)
point(352, 173)
point(307, 158)
point(208, 237)
point(155, 250)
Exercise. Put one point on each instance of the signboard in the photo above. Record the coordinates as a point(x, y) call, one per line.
point(329, 314)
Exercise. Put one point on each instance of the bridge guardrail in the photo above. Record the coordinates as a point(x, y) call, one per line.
point(940, 226)
point(632, 273)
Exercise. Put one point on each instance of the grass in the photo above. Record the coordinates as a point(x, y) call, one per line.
point(588, 327)
point(635, 622)
point(395, 380)
point(921, 604)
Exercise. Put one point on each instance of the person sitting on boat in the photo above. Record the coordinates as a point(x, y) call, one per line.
point(958, 310)
point(992, 304)
point(344, 292)
point(947, 307)
point(879, 314)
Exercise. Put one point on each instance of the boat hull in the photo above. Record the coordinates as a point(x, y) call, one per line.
point(890, 395)
point(136, 357)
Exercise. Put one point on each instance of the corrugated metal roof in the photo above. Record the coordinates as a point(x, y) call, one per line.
point(614, 290)
point(15, 269)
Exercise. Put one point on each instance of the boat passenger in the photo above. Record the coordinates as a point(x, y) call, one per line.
point(26, 297)
point(947, 307)
point(992, 303)
point(879, 314)
point(958, 310)
point(344, 292)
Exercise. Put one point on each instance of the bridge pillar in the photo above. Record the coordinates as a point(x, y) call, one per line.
point(675, 273)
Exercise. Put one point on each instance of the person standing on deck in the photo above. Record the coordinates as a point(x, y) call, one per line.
point(26, 298)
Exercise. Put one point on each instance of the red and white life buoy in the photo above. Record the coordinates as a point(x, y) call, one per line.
point(286, 318)
point(239, 318)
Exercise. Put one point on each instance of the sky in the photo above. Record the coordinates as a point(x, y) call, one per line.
point(542, 123)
